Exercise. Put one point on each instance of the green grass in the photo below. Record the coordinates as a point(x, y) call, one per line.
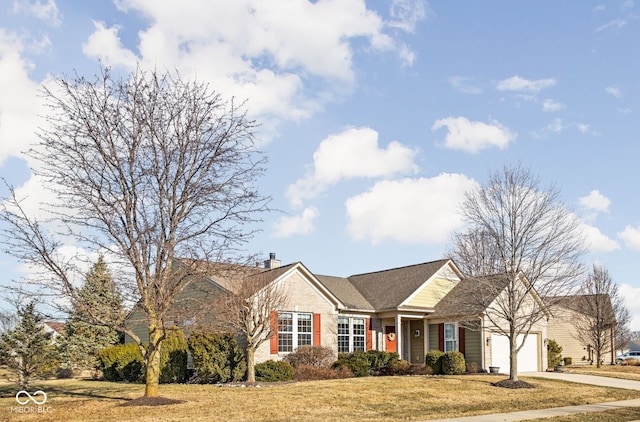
point(362, 399)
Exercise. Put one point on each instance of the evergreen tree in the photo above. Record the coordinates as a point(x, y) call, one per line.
point(28, 350)
point(86, 330)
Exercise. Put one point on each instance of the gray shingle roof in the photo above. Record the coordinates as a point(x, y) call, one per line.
point(387, 289)
point(345, 292)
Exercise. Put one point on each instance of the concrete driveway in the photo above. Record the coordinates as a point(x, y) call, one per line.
point(586, 379)
point(561, 411)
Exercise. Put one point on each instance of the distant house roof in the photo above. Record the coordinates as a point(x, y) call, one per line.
point(387, 289)
point(589, 305)
point(55, 326)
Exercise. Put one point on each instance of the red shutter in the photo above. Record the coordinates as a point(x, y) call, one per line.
point(441, 337)
point(273, 321)
point(369, 345)
point(316, 329)
point(461, 345)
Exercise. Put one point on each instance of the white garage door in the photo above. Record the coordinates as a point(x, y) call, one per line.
point(527, 357)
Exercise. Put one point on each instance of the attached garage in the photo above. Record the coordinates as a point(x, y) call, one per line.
point(527, 357)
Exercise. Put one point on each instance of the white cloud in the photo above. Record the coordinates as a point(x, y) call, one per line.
point(595, 201)
point(420, 210)
point(268, 52)
point(631, 237)
point(406, 14)
point(614, 24)
point(550, 105)
point(598, 241)
point(614, 90)
point(353, 153)
point(464, 84)
point(583, 127)
point(44, 10)
point(624, 110)
point(516, 83)
point(296, 224)
point(19, 102)
point(473, 136)
point(105, 45)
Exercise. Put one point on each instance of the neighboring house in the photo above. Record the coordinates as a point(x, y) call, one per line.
point(55, 328)
point(634, 346)
point(408, 310)
point(563, 328)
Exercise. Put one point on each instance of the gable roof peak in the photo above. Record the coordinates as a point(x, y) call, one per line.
point(443, 261)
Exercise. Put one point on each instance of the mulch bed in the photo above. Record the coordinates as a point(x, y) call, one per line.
point(513, 384)
point(152, 401)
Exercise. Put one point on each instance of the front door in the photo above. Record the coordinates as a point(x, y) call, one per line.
point(390, 341)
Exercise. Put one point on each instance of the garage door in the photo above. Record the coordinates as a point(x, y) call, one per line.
point(527, 357)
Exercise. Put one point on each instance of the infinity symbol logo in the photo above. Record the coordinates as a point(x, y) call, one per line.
point(29, 397)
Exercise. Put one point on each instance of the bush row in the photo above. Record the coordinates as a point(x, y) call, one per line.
point(216, 358)
point(219, 359)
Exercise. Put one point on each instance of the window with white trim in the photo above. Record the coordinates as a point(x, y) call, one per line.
point(351, 334)
point(294, 330)
point(450, 337)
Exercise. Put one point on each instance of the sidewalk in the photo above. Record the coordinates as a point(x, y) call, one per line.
point(562, 411)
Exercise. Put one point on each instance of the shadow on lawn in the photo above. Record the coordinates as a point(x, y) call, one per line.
point(102, 392)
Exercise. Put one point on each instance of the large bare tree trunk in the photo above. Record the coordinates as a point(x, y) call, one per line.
point(251, 367)
point(513, 358)
point(152, 368)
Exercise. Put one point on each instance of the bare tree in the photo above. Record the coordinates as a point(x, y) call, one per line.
point(250, 309)
point(148, 168)
point(601, 310)
point(520, 245)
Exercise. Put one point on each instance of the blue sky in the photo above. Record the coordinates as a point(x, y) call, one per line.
point(376, 116)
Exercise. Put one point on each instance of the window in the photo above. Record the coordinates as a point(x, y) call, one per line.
point(351, 334)
point(294, 329)
point(450, 337)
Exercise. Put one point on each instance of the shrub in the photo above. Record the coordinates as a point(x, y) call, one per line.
point(379, 360)
point(317, 356)
point(312, 373)
point(554, 353)
point(630, 362)
point(417, 369)
point(434, 361)
point(216, 358)
point(357, 362)
point(272, 371)
point(568, 361)
point(453, 363)
point(121, 363)
point(173, 358)
point(64, 373)
point(396, 367)
point(473, 367)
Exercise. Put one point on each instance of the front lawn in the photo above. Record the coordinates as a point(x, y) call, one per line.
point(614, 371)
point(362, 399)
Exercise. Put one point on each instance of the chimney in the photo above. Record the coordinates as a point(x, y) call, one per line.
point(272, 262)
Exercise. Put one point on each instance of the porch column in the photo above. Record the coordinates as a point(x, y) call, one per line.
point(399, 335)
point(425, 331)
